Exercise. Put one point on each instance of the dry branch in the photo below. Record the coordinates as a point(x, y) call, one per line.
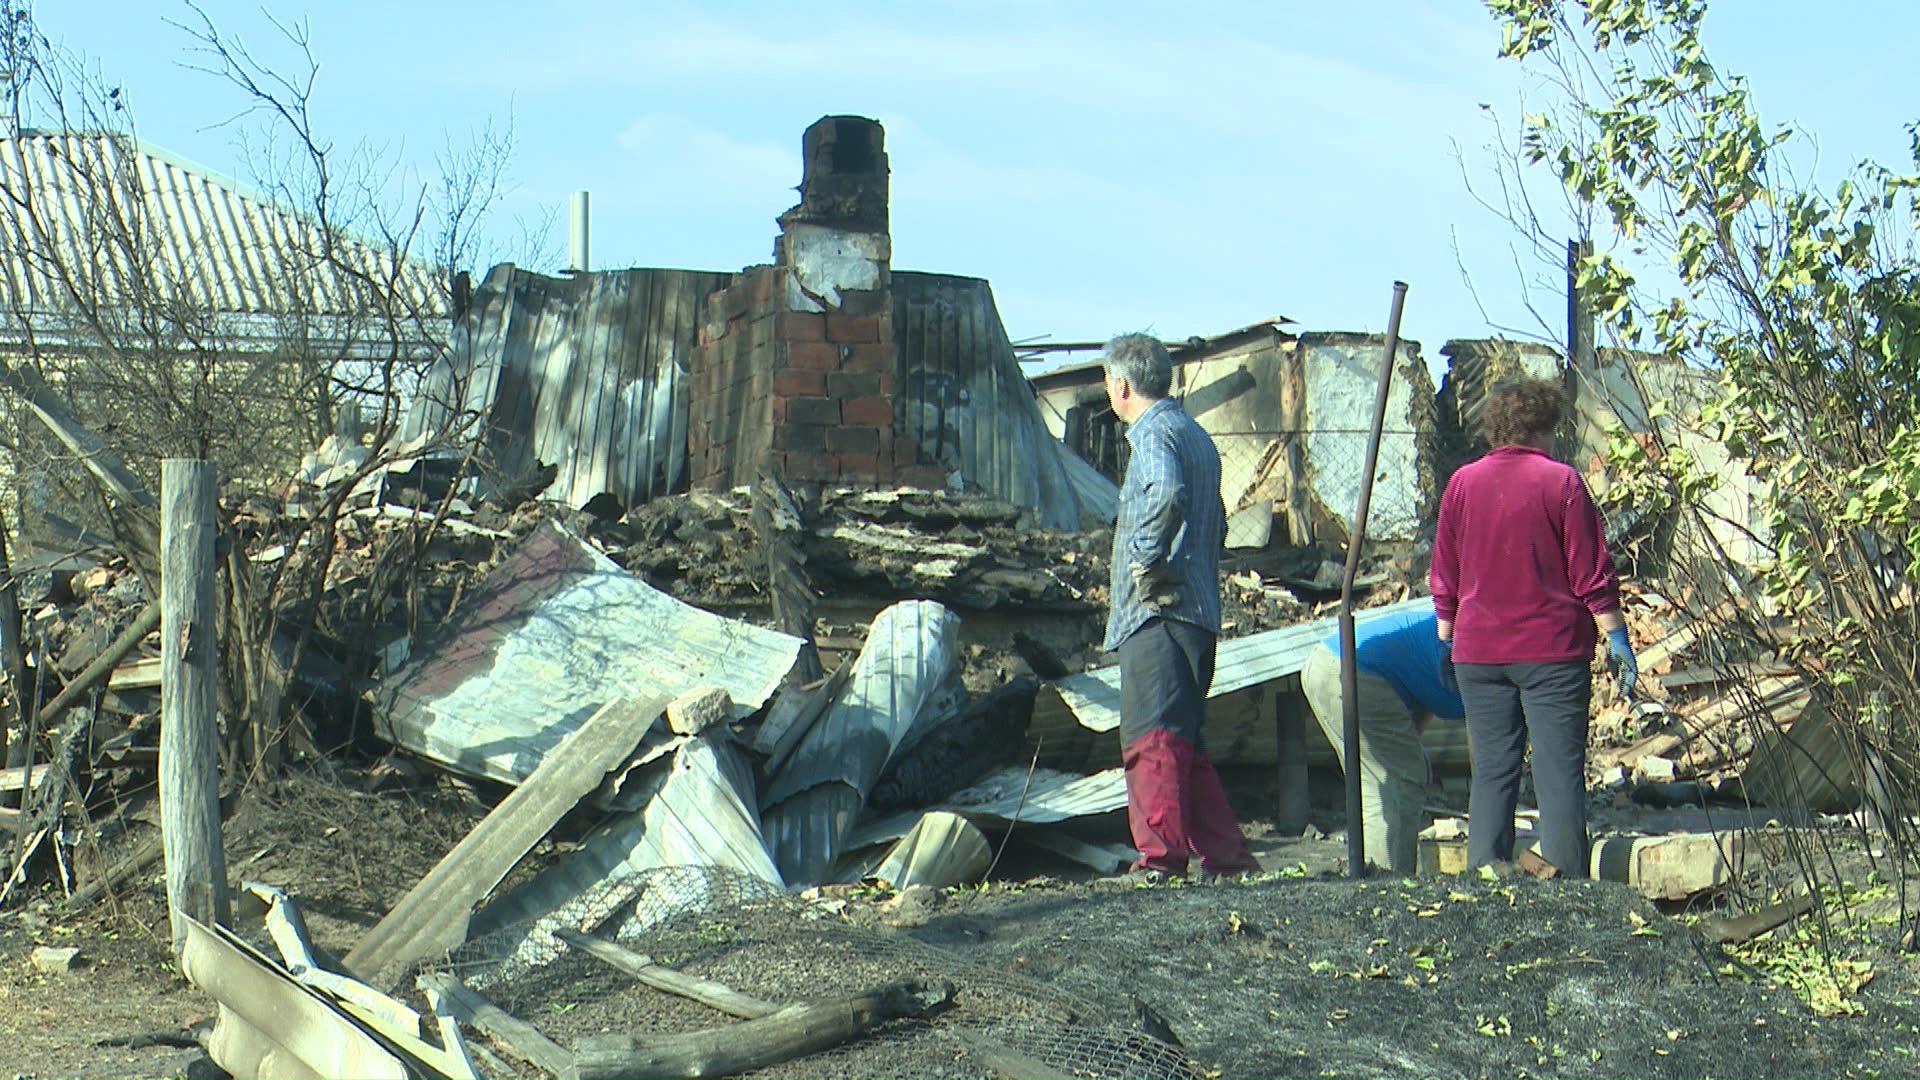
point(643, 968)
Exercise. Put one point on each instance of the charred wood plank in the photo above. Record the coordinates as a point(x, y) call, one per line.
point(433, 916)
point(1747, 927)
point(103, 665)
point(12, 659)
point(793, 1032)
point(779, 520)
point(794, 712)
point(146, 854)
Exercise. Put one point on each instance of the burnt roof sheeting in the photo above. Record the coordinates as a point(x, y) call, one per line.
point(912, 651)
point(1475, 364)
point(703, 815)
point(585, 373)
point(555, 632)
point(961, 396)
point(938, 850)
point(130, 220)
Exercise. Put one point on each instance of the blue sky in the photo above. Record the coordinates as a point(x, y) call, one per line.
point(1108, 166)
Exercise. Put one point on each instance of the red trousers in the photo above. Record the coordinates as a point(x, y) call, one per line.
point(1176, 808)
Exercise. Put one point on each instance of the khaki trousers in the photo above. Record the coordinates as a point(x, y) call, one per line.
point(1393, 764)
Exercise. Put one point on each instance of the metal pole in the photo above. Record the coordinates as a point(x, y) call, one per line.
point(579, 258)
point(1356, 539)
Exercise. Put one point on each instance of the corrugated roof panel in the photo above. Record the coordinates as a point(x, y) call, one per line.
point(962, 398)
point(1093, 697)
point(1015, 793)
point(702, 815)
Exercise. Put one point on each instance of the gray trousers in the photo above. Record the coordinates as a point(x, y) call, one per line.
point(1508, 704)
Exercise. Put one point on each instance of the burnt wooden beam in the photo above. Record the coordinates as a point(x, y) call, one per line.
point(102, 666)
point(793, 1032)
point(520, 1037)
point(1752, 925)
point(778, 520)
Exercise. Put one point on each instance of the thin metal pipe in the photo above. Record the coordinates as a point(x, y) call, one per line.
point(1356, 540)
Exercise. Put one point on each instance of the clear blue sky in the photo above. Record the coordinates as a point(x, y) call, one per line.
point(1109, 166)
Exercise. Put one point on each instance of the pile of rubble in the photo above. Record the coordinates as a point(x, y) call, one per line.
point(1706, 726)
point(409, 563)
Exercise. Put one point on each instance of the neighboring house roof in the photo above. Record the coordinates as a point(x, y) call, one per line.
point(109, 217)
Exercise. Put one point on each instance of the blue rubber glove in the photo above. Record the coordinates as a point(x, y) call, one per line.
point(1620, 659)
point(1447, 677)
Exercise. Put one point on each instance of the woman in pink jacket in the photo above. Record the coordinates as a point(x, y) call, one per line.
point(1521, 579)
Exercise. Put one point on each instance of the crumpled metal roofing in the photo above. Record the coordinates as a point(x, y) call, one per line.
point(701, 815)
point(961, 396)
point(131, 220)
point(554, 632)
point(1015, 793)
point(912, 650)
point(585, 373)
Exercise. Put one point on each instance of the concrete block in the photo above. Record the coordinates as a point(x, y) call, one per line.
point(1669, 867)
point(54, 961)
point(698, 709)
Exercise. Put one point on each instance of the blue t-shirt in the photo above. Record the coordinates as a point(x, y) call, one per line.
point(1404, 649)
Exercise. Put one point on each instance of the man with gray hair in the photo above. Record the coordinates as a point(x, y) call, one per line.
point(1164, 620)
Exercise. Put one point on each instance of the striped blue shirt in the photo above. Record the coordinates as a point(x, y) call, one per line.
point(1170, 512)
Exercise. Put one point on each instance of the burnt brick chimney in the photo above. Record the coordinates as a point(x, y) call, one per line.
point(796, 361)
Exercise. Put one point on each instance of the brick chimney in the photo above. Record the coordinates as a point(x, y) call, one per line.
point(796, 362)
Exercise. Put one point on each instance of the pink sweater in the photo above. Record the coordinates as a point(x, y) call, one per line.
point(1520, 565)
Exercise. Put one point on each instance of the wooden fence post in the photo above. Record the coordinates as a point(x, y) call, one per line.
point(189, 727)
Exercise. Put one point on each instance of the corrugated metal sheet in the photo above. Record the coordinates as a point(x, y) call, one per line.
point(961, 396)
point(1015, 793)
point(938, 850)
point(1093, 697)
point(585, 373)
point(133, 221)
point(555, 632)
point(702, 815)
point(807, 807)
